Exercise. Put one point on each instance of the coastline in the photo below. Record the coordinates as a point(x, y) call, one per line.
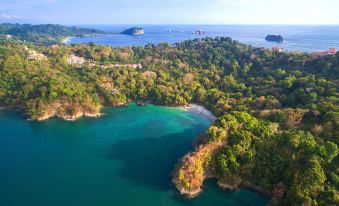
point(192, 108)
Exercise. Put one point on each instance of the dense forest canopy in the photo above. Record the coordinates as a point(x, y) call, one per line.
point(278, 113)
point(44, 33)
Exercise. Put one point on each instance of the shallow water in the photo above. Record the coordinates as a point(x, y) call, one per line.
point(122, 158)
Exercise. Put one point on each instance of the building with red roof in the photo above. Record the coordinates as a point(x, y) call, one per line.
point(332, 51)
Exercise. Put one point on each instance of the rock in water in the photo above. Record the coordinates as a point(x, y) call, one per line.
point(134, 31)
point(276, 38)
point(140, 103)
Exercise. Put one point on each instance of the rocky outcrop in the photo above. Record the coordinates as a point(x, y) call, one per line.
point(250, 186)
point(140, 103)
point(194, 168)
point(231, 183)
point(66, 112)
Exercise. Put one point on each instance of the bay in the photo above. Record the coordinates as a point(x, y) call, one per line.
point(124, 158)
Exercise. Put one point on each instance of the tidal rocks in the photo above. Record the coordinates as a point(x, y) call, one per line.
point(140, 103)
point(199, 32)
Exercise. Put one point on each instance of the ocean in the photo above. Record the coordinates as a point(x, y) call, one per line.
point(296, 38)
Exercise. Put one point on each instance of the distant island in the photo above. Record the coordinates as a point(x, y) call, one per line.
point(276, 38)
point(199, 32)
point(135, 31)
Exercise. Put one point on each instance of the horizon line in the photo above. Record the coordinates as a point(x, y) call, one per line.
point(182, 24)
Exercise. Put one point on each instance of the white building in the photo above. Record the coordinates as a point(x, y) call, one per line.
point(75, 60)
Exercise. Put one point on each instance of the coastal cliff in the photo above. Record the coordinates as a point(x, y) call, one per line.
point(65, 111)
point(194, 168)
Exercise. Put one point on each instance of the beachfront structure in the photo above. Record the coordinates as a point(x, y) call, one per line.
point(72, 59)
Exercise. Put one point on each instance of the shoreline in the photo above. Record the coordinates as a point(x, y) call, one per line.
point(201, 111)
point(192, 108)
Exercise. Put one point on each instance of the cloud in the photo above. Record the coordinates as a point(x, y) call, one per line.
point(10, 16)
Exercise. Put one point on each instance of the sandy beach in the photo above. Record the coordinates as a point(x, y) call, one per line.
point(66, 40)
point(202, 111)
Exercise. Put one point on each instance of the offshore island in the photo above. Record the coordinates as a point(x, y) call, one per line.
point(135, 31)
point(277, 112)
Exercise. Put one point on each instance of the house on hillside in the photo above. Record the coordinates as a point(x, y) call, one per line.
point(332, 51)
point(72, 59)
point(321, 53)
point(34, 55)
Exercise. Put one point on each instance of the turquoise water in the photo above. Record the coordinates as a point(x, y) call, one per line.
point(121, 159)
point(296, 38)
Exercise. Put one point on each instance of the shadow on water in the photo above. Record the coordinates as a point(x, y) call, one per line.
point(150, 161)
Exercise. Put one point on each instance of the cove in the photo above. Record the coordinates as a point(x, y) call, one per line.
point(123, 158)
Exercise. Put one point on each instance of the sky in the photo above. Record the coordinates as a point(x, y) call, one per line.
point(77, 12)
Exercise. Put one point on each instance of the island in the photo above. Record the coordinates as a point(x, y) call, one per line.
point(275, 38)
point(135, 31)
point(276, 127)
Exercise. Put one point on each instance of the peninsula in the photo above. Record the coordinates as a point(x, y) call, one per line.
point(44, 34)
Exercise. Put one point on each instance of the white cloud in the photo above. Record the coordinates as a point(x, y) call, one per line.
point(10, 16)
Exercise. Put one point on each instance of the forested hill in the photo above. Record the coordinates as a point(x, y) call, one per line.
point(44, 33)
point(278, 113)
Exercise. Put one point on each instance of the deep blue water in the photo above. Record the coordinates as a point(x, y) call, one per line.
point(297, 38)
point(124, 158)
